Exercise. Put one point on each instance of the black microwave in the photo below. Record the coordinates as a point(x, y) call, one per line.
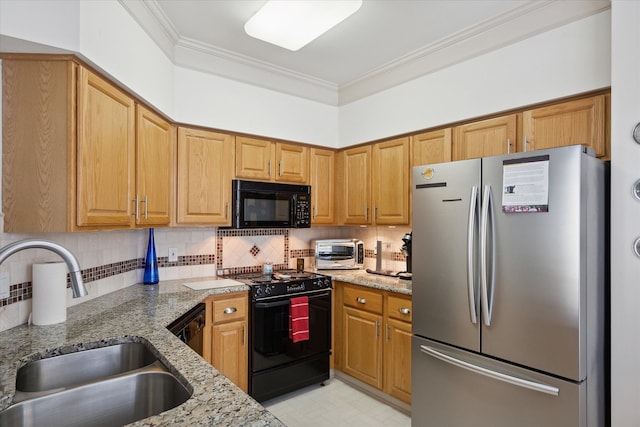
point(270, 205)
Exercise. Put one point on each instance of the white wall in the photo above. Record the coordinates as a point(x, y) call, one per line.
point(565, 61)
point(625, 215)
point(217, 102)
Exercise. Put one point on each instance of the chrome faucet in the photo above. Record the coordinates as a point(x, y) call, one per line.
point(77, 285)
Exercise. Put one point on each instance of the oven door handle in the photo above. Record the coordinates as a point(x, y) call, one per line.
point(287, 300)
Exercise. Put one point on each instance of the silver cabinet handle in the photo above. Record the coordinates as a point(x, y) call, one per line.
point(230, 310)
point(387, 333)
point(361, 300)
point(375, 212)
point(377, 326)
point(280, 167)
point(146, 208)
point(520, 382)
point(366, 212)
point(315, 211)
point(473, 207)
point(244, 334)
point(404, 310)
point(525, 143)
point(269, 167)
point(508, 145)
point(135, 202)
point(226, 210)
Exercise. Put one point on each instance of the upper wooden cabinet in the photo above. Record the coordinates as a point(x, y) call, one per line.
point(204, 177)
point(431, 147)
point(77, 155)
point(485, 138)
point(322, 173)
point(375, 183)
point(582, 121)
point(355, 193)
point(391, 182)
point(155, 142)
point(261, 159)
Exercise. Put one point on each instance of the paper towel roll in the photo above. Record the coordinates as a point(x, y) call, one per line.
point(49, 300)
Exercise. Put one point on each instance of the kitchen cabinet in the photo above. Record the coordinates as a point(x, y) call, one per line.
point(226, 341)
point(204, 177)
point(431, 147)
point(71, 161)
point(581, 121)
point(373, 338)
point(362, 341)
point(155, 143)
point(485, 138)
point(397, 353)
point(375, 183)
point(260, 159)
point(322, 172)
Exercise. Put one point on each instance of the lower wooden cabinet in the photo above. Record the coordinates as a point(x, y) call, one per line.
point(373, 338)
point(226, 336)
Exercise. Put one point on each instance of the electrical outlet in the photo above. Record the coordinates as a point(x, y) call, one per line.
point(5, 280)
point(173, 255)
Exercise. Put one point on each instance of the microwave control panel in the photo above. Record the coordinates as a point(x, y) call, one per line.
point(303, 211)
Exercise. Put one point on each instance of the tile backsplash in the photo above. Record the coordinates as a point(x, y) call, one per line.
point(112, 260)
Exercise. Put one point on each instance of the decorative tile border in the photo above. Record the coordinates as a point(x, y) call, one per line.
point(24, 291)
point(302, 253)
point(220, 233)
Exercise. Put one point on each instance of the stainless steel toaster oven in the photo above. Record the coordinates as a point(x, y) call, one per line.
point(339, 254)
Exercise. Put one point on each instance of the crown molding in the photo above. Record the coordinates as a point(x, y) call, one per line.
point(531, 18)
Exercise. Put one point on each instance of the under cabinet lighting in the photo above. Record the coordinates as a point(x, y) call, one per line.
point(292, 24)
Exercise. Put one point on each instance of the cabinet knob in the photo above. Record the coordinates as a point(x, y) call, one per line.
point(230, 310)
point(404, 310)
point(361, 300)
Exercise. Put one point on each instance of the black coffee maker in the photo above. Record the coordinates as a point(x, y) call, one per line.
point(406, 251)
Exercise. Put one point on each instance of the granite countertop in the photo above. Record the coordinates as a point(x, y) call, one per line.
point(377, 281)
point(139, 313)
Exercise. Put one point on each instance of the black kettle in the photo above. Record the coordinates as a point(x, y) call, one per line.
point(406, 250)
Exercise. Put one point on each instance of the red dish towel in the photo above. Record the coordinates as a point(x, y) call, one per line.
point(299, 319)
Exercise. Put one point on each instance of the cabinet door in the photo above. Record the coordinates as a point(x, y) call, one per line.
point(292, 162)
point(397, 357)
point(356, 197)
point(485, 138)
point(154, 167)
point(575, 122)
point(254, 158)
point(105, 153)
point(391, 182)
point(204, 177)
point(431, 147)
point(229, 350)
point(322, 186)
point(362, 346)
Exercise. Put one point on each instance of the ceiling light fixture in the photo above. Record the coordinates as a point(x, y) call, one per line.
point(292, 24)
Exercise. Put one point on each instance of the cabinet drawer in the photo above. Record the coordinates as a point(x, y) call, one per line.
point(362, 299)
point(228, 309)
point(399, 308)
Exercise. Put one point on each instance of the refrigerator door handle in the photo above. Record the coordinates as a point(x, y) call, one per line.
point(471, 244)
point(486, 281)
point(520, 382)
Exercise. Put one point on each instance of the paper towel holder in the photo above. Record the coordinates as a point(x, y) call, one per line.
point(77, 284)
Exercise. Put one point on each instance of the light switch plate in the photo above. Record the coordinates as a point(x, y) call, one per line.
point(5, 281)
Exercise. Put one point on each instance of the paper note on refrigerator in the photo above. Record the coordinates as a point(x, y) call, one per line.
point(525, 185)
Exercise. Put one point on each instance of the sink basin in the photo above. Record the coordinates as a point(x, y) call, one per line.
point(111, 402)
point(82, 367)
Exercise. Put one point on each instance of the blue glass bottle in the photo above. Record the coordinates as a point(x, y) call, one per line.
point(151, 263)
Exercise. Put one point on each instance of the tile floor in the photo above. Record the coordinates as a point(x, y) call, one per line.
point(334, 405)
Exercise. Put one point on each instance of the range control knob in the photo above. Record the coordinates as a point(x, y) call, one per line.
point(258, 291)
point(267, 290)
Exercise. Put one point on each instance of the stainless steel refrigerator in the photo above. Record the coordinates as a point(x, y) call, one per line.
point(509, 275)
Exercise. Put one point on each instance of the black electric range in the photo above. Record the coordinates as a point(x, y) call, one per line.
point(283, 282)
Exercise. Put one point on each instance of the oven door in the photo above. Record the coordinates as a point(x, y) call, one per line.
point(271, 345)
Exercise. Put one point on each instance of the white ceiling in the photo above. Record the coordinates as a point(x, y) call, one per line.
point(385, 43)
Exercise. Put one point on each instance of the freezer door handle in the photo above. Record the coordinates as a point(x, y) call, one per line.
point(520, 382)
point(486, 281)
point(471, 253)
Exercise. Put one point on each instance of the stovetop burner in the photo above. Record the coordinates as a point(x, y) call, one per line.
point(283, 282)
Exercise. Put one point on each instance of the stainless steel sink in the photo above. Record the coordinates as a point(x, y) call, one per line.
point(107, 386)
point(82, 367)
point(112, 402)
